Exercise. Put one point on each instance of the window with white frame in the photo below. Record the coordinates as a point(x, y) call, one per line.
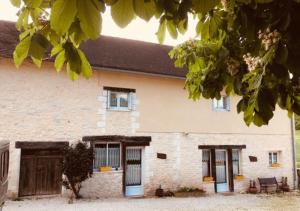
point(206, 167)
point(107, 154)
point(236, 162)
point(273, 158)
point(223, 104)
point(118, 100)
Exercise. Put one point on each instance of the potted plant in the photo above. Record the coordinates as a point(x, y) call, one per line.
point(275, 165)
point(159, 192)
point(208, 179)
point(105, 168)
point(285, 187)
point(252, 189)
point(239, 177)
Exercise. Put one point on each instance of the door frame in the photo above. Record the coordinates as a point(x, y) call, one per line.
point(142, 148)
point(229, 149)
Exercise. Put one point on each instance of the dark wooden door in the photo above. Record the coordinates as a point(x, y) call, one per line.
point(40, 173)
point(27, 176)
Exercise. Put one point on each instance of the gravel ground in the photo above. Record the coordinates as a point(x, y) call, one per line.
point(286, 202)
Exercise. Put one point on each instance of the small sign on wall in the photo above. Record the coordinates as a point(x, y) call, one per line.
point(161, 156)
point(253, 159)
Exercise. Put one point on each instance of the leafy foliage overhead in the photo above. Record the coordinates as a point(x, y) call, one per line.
point(248, 48)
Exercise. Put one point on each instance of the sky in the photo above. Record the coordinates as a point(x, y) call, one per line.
point(138, 29)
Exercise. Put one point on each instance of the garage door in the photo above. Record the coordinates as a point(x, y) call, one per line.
point(40, 172)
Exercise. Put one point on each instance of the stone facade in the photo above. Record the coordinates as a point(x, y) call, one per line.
point(44, 106)
point(103, 185)
point(183, 166)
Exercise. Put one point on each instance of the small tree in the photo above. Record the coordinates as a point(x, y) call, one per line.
point(77, 164)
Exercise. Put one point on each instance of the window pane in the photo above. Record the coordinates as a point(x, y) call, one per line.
point(224, 99)
point(123, 100)
point(235, 162)
point(114, 155)
point(221, 103)
point(100, 155)
point(113, 99)
point(274, 157)
point(205, 163)
point(270, 158)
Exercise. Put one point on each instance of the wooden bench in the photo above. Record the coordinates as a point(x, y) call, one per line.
point(266, 183)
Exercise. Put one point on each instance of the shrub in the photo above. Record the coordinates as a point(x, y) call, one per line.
point(77, 166)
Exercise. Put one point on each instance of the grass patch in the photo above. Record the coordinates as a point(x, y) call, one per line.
point(189, 192)
point(298, 148)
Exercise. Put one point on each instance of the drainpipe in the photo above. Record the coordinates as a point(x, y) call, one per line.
point(294, 151)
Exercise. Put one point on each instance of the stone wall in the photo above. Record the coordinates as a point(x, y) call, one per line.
point(116, 122)
point(42, 105)
point(103, 185)
point(183, 166)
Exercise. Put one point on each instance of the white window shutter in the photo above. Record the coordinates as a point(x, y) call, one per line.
point(108, 99)
point(131, 100)
point(227, 103)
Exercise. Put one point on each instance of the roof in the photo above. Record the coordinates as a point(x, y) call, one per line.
point(110, 52)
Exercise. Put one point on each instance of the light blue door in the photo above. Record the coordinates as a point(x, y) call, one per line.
point(221, 171)
point(133, 174)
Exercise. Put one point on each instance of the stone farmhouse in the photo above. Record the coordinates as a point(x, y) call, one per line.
point(136, 115)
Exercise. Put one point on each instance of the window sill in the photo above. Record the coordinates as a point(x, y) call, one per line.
point(275, 167)
point(208, 182)
point(221, 110)
point(108, 172)
point(118, 110)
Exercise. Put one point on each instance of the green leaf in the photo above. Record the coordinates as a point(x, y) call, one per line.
point(21, 51)
point(56, 49)
point(110, 2)
point(76, 33)
point(182, 26)
point(22, 21)
point(257, 120)
point(33, 3)
point(73, 57)
point(281, 54)
point(203, 6)
point(161, 33)
point(59, 61)
point(72, 75)
point(89, 17)
point(38, 46)
point(85, 65)
point(144, 9)
point(122, 12)
point(62, 15)
point(16, 3)
point(264, 1)
point(172, 29)
point(35, 14)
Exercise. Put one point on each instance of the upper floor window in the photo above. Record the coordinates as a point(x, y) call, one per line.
point(223, 104)
point(119, 98)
